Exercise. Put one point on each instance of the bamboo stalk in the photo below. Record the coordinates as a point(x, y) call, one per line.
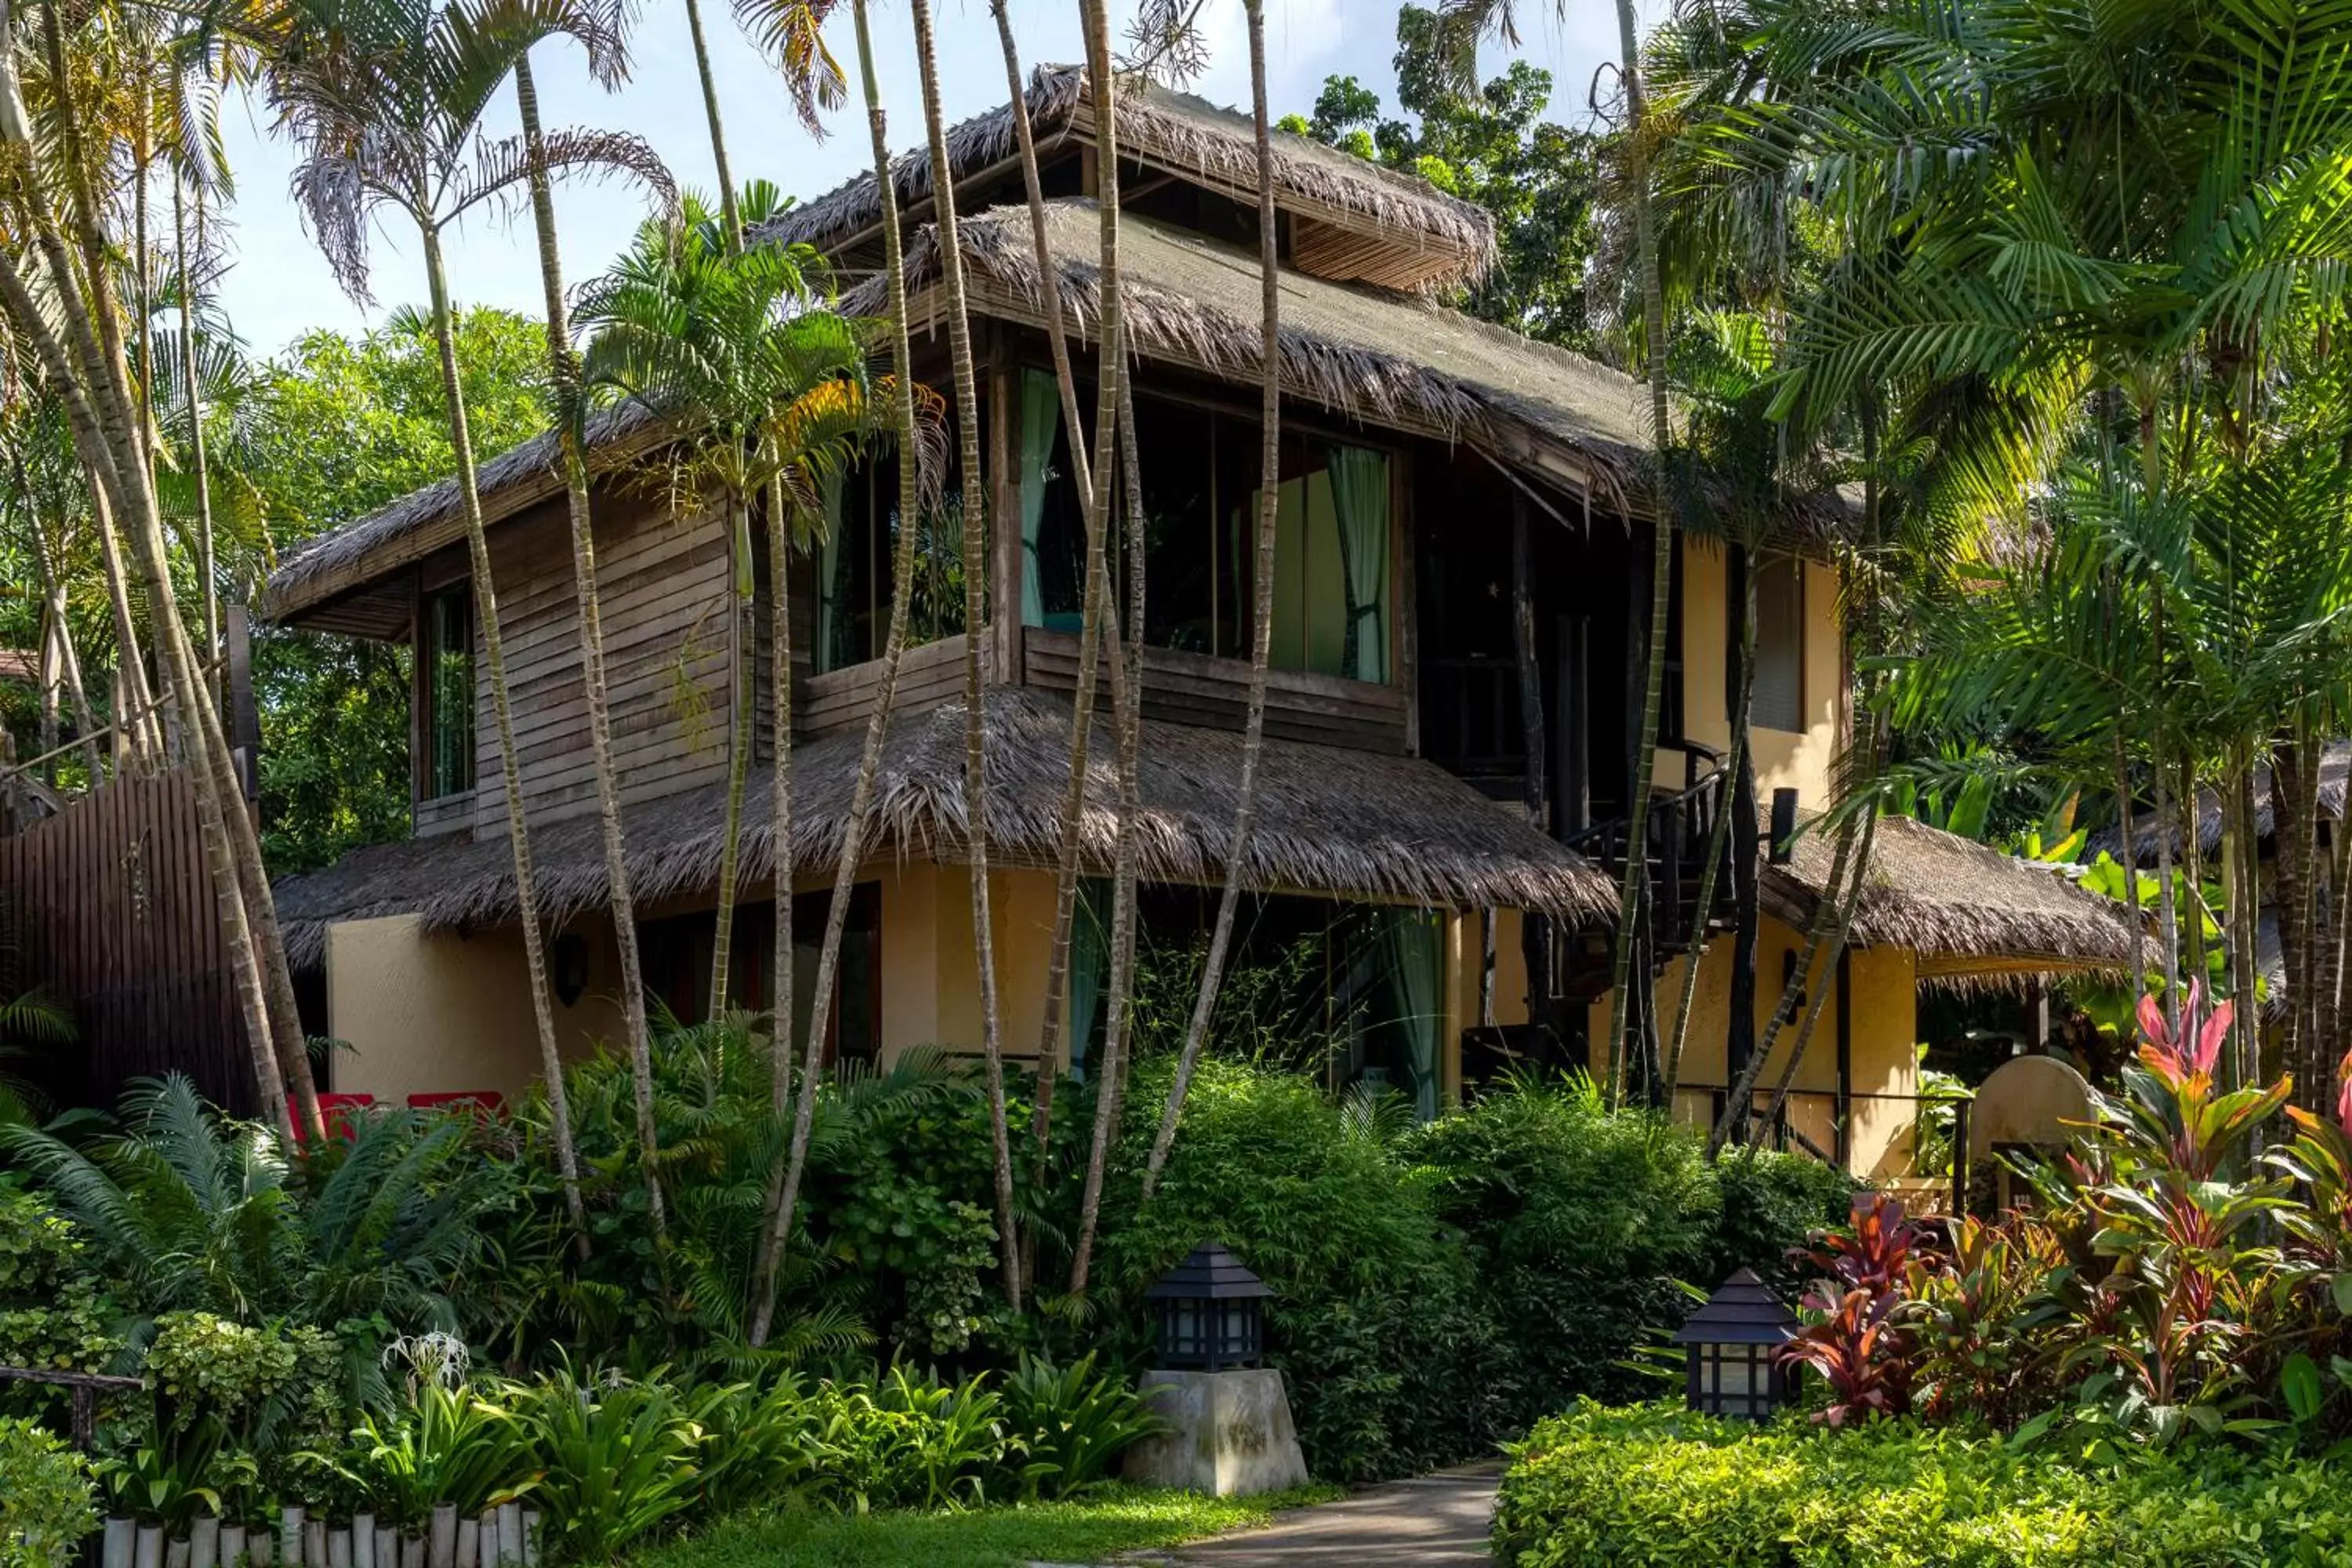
point(203, 1541)
point(362, 1540)
point(487, 1526)
point(412, 1551)
point(232, 1546)
point(149, 1550)
point(510, 1533)
point(122, 1539)
point(260, 1545)
point(339, 1547)
point(387, 1552)
point(441, 1545)
point(314, 1543)
point(289, 1537)
point(469, 1543)
point(176, 1553)
point(530, 1537)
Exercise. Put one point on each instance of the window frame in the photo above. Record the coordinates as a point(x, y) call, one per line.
point(1763, 564)
point(425, 690)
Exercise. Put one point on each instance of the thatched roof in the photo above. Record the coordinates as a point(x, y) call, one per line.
point(428, 518)
point(2334, 769)
point(1329, 821)
point(1187, 135)
point(1375, 354)
point(1963, 907)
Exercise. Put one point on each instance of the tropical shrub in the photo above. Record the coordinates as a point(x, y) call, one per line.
point(1438, 1289)
point(617, 1458)
point(443, 1442)
point(53, 1314)
point(46, 1502)
point(1069, 1425)
point(1657, 1486)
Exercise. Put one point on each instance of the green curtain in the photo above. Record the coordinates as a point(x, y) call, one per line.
point(831, 622)
point(1360, 497)
point(1089, 959)
point(1415, 967)
point(1041, 420)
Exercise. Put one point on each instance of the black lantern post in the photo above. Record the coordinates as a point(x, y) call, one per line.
point(1733, 1348)
point(1212, 1312)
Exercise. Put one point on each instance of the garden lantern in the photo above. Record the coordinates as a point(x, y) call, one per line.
point(1212, 1312)
point(1733, 1350)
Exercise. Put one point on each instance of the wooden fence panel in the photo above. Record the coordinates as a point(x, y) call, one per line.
point(112, 905)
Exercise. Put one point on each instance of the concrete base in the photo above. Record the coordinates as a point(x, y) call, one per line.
point(1228, 1433)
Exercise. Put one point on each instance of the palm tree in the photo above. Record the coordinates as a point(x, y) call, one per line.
point(64, 303)
point(387, 104)
point(571, 425)
point(975, 615)
point(1052, 1049)
point(770, 397)
point(1110, 382)
point(894, 647)
point(1196, 1033)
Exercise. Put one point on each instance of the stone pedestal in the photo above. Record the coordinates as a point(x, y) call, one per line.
point(1228, 1433)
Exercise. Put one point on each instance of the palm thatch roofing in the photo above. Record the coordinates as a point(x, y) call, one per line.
point(1964, 909)
point(428, 518)
point(1186, 135)
point(1334, 822)
point(2335, 769)
point(1373, 354)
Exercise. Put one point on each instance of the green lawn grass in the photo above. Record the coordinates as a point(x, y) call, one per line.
point(1086, 1532)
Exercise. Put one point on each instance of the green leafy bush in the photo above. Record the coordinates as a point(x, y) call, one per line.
point(1069, 1425)
point(1439, 1288)
point(53, 1314)
point(46, 1502)
point(618, 1461)
point(1650, 1486)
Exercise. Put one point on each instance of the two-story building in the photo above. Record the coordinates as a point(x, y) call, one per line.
point(1444, 481)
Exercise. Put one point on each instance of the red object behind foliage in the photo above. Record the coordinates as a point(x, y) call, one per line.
point(335, 1110)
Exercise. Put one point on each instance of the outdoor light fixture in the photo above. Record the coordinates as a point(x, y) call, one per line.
point(1733, 1350)
point(1212, 1312)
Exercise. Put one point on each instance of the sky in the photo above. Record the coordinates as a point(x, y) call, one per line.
point(278, 288)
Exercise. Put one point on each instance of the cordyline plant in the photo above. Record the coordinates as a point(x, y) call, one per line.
point(1862, 1345)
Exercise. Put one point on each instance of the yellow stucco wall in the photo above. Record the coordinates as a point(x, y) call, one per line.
point(1882, 1043)
point(930, 970)
point(434, 1013)
point(1784, 758)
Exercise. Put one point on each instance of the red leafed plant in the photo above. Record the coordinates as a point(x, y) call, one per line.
point(1859, 1341)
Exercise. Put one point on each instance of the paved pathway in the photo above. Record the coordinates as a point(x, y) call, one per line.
point(1440, 1520)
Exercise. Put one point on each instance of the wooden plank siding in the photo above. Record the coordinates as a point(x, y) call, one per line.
point(1184, 688)
point(662, 590)
point(841, 699)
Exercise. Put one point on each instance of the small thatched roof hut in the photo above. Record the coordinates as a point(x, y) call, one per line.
point(1330, 821)
point(1971, 913)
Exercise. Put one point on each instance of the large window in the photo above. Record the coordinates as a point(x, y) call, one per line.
point(1201, 468)
point(444, 654)
point(1779, 702)
point(853, 566)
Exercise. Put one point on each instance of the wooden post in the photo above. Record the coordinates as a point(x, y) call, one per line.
point(314, 1543)
point(1535, 930)
point(469, 1543)
point(486, 1528)
point(289, 1538)
point(149, 1550)
point(339, 1547)
point(232, 1546)
point(260, 1545)
point(362, 1540)
point(203, 1541)
point(412, 1551)
point(510, 1533)
point(530, 1517)
point(442, 1545)
point(121, 1541)
point(176, 1553)
point(1845, 1059)
point(387, 1552)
